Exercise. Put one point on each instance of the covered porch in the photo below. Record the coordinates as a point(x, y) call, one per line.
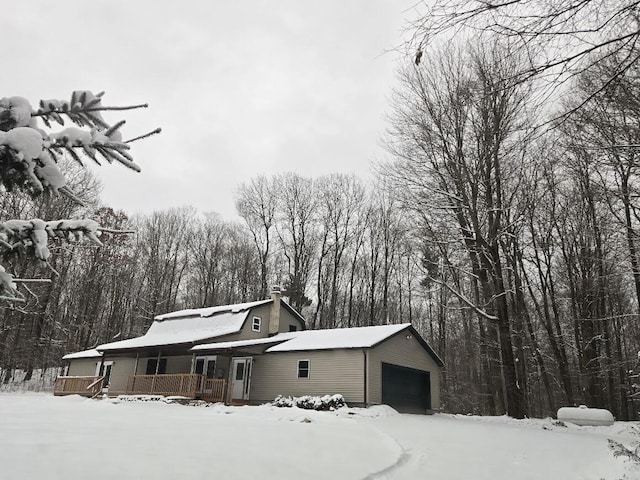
point(187, 385)
point(218, 372)
point(193, 386)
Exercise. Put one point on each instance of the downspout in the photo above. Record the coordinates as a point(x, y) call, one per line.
point(364, 351)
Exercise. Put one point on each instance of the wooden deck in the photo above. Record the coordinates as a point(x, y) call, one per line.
point(85, 386)
point(188, 385)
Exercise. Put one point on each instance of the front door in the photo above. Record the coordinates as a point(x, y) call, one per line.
point(241, 378)
point(103, 369)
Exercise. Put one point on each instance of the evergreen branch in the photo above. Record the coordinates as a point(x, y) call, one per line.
point(146, 135)
point(90, 109)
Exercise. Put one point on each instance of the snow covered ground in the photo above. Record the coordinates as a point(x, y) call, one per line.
point(46, 437)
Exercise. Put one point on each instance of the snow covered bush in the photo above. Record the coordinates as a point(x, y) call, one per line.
point(308, 402)
point(29, 161)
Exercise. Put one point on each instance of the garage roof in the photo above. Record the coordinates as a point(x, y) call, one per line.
point(357, 337)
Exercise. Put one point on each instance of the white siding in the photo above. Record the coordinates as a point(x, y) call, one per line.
point(83, 367)
point(330, 371)
point(406, 352)
point(120, 371)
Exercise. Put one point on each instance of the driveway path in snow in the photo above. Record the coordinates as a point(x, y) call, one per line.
point(454, 447)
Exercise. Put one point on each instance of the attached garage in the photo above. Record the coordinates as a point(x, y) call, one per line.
point(406, 389)
point(404, 372)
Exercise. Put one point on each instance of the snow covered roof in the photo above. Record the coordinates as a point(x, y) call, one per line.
point(357, 337)
point(189, 326)
point(209, 311)
point(281, 337)
point(84, 354)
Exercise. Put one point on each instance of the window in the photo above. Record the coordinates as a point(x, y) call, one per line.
point(240, 371)
point(206, 366)
point(152, 364)
point(257, 323)
point(303, 368)
point(292, 328)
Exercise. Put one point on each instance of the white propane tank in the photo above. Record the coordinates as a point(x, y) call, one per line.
point(584, 415)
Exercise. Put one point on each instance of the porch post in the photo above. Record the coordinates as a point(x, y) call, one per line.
point(193, 363)
point(101, 365)
point(158, 361)
point(135, 369)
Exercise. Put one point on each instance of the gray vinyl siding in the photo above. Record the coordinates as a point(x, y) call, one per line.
point(330, 371)
point(247, 333)
point(287, 320)
point(406, 352)
point(122, 368)
point(264, 312)
point(83, 367)
point(178, 364)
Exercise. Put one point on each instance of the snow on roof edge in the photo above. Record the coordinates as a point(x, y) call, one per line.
point(92, 353)
point(209, 311)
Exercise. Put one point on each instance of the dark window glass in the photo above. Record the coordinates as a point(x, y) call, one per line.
point(199, 366)
point(257, 321)
point(152, 363)
point(240, 371)
point(211, 369)
point(292, 328)
point(162, 368)
point(303, 368)
point(151, 366)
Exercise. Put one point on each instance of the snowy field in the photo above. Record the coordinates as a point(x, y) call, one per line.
point(72, 438)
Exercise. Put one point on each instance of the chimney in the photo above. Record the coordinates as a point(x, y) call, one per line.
point(274, 317)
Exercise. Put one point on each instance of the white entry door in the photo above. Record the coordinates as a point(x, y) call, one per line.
point(241, 378)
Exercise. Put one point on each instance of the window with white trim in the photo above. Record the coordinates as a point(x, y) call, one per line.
point(257, 323)
point(303, 368)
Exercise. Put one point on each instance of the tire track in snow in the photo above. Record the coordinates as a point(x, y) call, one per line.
point(404, 459)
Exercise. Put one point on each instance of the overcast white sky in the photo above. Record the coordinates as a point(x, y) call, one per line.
point(239, 88)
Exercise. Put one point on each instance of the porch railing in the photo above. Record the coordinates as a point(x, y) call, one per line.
point(188, 385)
point(214, 390)
point(184, 385)
point(85, 386)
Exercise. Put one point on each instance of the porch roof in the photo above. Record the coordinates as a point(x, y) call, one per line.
point(281, 337)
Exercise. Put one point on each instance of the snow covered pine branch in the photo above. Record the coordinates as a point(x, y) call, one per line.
point(29, 161)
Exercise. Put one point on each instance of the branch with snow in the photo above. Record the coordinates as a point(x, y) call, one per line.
point(29, 155)
point(29, 159)
point(36, 233)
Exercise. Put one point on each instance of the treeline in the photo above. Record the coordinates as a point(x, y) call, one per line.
point(341, 251)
